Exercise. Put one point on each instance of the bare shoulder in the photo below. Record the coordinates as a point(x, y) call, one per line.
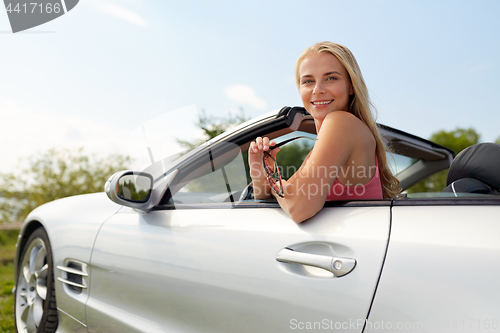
point(350, 138)
point(343, 118)
point(345, 124)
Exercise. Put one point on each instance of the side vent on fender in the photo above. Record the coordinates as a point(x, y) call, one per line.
point(74, 275)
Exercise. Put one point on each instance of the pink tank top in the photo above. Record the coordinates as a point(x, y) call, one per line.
point(370, 191)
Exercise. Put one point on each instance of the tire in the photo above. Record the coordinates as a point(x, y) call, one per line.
point(35, 300)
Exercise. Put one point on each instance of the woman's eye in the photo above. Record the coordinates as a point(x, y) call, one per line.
point(307, 81)
point(330, 78)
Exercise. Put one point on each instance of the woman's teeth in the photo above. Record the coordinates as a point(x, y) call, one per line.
point(322, 103)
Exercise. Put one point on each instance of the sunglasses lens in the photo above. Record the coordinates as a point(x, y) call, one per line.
point(270, 165)
point(273, 174)
point(275, 184)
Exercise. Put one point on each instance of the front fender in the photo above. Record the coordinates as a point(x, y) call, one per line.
point(72, 225)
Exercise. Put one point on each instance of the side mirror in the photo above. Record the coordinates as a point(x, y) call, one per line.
point(134, 188)
point(137, 189)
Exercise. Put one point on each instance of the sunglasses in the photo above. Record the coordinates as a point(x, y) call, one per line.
point(272, 169)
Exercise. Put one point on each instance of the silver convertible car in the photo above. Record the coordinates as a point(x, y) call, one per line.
point(182, 246)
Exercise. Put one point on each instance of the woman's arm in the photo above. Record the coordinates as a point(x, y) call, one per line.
point(341, 138)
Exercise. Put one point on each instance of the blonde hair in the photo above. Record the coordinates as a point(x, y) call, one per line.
point(360, 106)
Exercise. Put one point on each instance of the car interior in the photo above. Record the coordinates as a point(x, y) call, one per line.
point(220, 174)
point(475, 170)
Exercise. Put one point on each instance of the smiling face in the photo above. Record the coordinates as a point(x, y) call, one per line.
point(324, 85)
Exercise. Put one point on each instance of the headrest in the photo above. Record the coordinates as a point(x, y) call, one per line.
point(480, 161)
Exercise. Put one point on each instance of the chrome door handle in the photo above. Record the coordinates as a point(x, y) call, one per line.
point(337, 265)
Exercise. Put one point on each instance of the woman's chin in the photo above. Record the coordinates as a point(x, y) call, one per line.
point(320, 112)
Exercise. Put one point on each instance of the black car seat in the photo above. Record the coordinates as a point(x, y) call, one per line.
point(476, 169)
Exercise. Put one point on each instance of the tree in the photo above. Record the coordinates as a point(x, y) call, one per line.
point(457, 140)
point(291, 156)
point(213, 126)
point(52, 175)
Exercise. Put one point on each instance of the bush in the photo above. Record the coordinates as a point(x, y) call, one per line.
point(52, 175)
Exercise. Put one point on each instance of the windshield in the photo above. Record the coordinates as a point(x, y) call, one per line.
point(155, 144)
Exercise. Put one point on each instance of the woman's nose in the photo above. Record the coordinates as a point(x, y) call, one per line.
point(318, 88)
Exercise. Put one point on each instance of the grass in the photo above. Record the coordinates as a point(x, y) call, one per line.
point(8, 240)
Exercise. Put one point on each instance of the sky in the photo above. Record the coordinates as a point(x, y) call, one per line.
point(90, 77)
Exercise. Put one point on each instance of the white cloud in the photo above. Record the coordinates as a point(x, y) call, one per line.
point(25, 132)
point(244, 94)
point(119, 12)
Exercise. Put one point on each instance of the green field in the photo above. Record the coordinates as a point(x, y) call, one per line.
point(7, 252)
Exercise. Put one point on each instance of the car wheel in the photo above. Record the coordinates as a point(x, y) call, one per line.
point(35, 300)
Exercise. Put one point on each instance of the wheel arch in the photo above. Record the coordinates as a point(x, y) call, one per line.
point(22, 239)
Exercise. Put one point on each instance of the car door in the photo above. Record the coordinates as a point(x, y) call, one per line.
point(206, 262)
point(214, 269)
point(442, 266)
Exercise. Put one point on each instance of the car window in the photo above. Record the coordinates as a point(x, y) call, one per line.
point(216, 182)
point(219, 176)
point(291, 155)
point(398, 163)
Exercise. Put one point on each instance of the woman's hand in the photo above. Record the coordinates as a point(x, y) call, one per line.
point(255, 151)
point(257, 172)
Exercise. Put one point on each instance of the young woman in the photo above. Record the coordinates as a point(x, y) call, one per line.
point(348, 161)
